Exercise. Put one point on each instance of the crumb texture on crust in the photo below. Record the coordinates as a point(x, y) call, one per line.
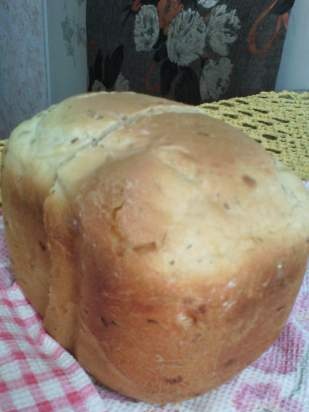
point(162, 247)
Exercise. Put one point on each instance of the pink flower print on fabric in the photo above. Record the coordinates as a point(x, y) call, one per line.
point(284, 355)
point(263, 398)
point(300, 312)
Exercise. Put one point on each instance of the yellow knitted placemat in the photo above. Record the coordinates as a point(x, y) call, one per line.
point(279, 121)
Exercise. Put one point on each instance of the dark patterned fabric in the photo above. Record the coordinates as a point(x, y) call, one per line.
point(188, 50)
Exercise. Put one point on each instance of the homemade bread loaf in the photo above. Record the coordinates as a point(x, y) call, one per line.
point(162, 247)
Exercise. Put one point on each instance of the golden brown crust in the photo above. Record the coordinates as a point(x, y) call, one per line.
point(174, 246)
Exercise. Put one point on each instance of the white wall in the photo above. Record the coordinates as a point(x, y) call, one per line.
point(294, 67)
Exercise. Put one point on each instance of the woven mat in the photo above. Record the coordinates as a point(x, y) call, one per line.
point(279, 121)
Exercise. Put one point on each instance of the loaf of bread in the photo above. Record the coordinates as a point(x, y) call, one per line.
point(163, 248)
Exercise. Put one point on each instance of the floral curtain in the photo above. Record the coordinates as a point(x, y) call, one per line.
point(188, 50)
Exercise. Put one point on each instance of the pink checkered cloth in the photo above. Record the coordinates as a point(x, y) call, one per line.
point(36, 374)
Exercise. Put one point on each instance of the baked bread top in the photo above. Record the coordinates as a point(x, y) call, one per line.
point(179, 182)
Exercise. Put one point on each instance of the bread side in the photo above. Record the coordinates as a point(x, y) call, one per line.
point(190, 259)
point(163, 248)
point(38, 150)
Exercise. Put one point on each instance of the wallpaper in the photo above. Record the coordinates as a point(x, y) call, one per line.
point(23, 84)
point(73, 29)
point(43, 56)
point(67, 47)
